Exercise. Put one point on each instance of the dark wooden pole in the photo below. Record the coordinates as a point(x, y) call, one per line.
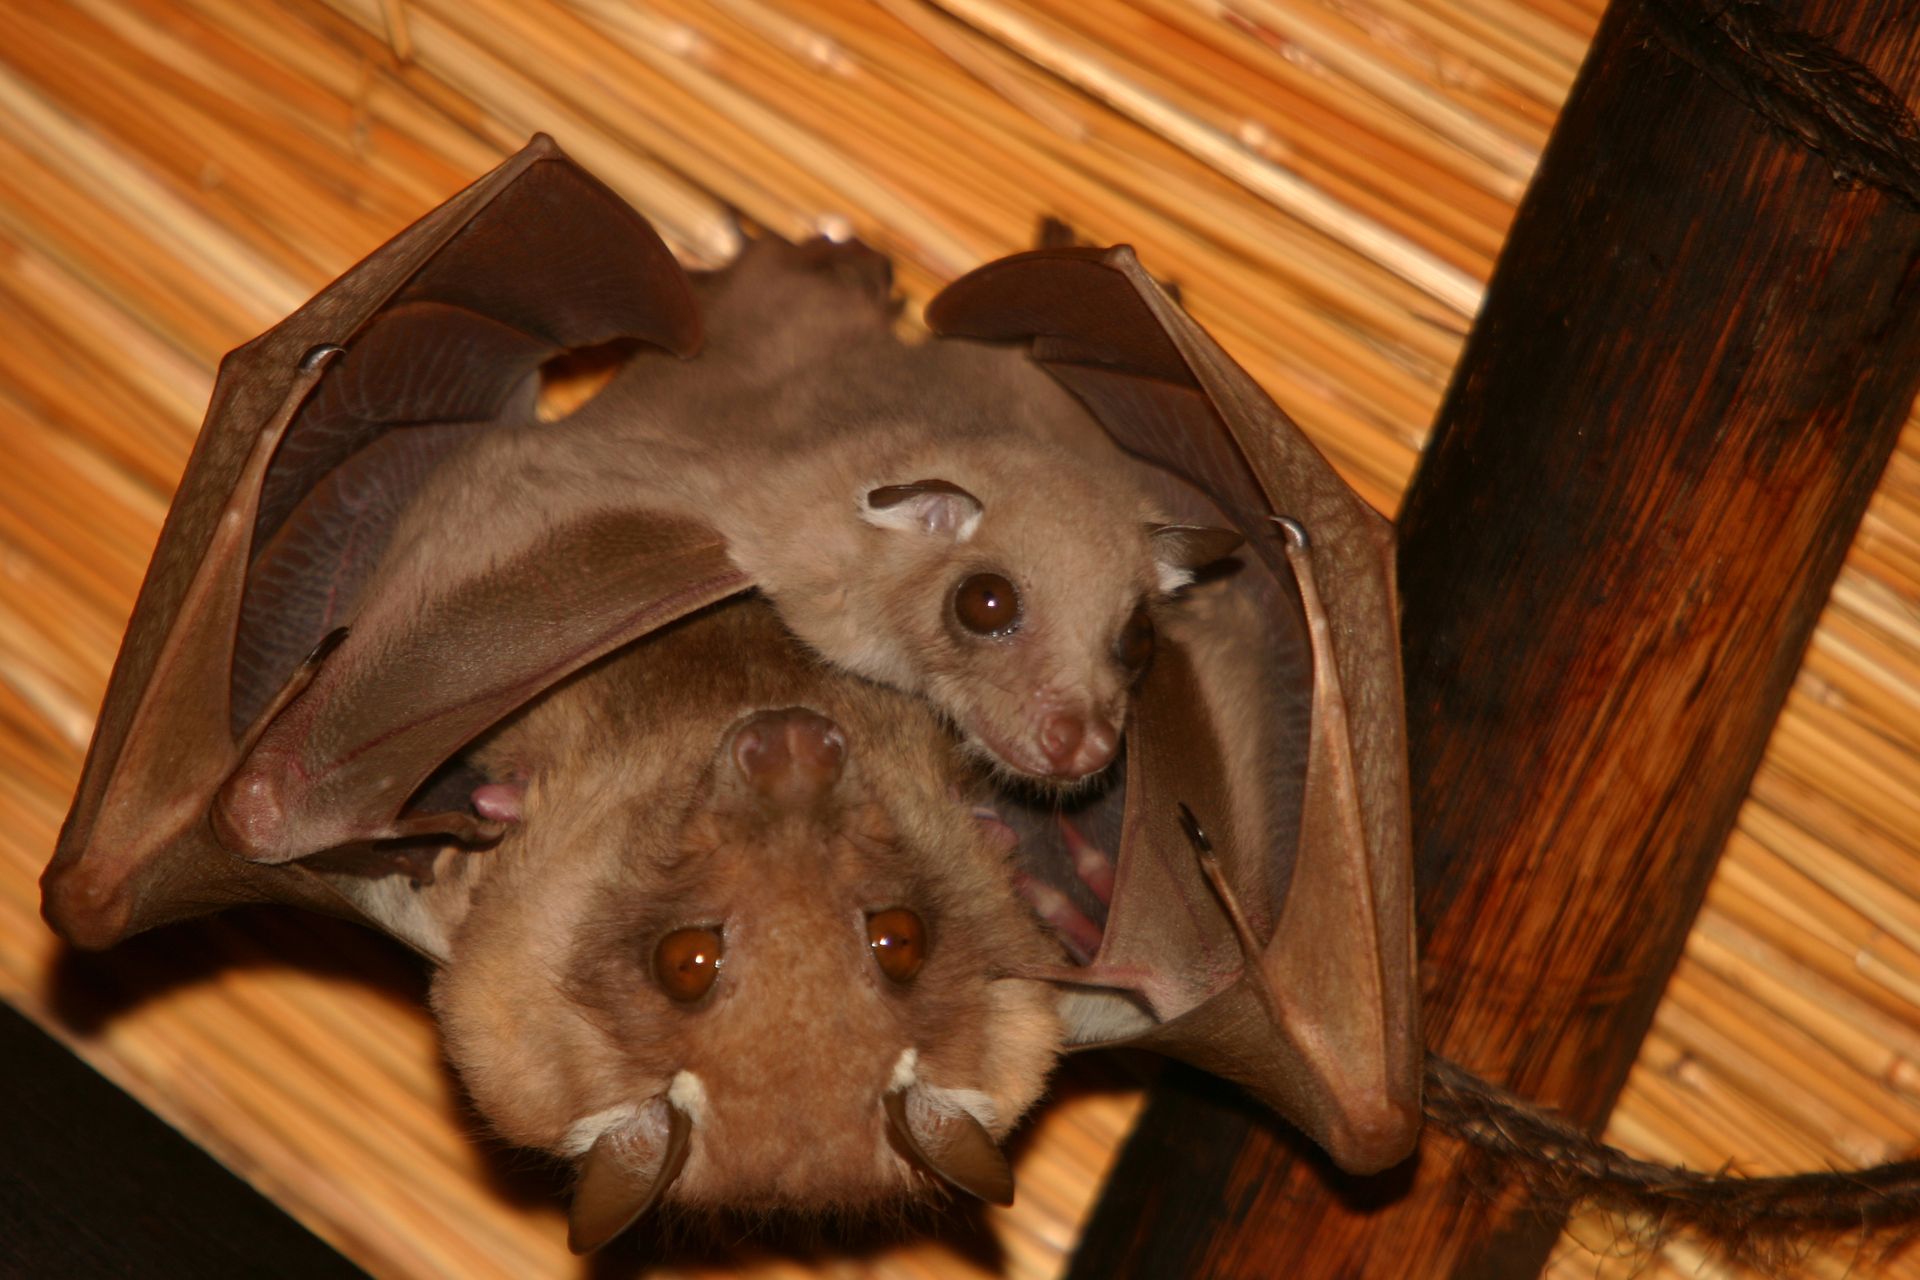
point(1692, 364)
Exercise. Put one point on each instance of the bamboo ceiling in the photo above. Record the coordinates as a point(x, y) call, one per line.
point(1328, 180)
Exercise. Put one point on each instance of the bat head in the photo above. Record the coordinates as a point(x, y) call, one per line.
point(1019, 588)
point(773, 991)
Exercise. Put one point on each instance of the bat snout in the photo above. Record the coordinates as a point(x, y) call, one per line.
point(793, 756)
point(1077, 746)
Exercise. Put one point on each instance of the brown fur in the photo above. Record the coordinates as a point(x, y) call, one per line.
point(636, 823)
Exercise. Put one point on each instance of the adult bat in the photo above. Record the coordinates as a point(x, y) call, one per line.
point(744, 946)
point(288, 710)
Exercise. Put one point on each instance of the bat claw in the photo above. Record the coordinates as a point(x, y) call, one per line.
point(296, 684)
point(996, 829)
point(317, 357)
point(1250, 947)
point(1295, 532)
point(328, 643)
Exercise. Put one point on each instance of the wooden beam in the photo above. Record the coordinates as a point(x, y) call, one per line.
point(1694, 359)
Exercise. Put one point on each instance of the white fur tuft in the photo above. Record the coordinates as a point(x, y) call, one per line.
point(687, 1093)
point(905, 1070)
point(1172, 577)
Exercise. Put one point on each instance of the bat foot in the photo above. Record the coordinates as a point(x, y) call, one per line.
point(1077, 933)
point(988, 822)
point(835, 257)
point(1090, 862)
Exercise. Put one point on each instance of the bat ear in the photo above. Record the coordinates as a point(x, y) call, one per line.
point(946, 1141)
point(926, 506)
point(625, 1173)
point(1182, 548)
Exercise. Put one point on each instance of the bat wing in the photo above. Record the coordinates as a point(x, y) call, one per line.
point(255, 664)
point(1261, 925)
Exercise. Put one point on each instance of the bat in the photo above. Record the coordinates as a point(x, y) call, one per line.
point(295, 710)
point(1266, 786)
point(916, 517)
point(743, 946)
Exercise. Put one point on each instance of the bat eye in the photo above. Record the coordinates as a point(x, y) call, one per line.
point(987, 605)
point(899, 942)
point(1133, 648)
point(686, 962)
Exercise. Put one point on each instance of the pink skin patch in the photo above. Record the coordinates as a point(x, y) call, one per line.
point(1004, 837)
point(1090, 863)
point(1077, 933)
point(1075, 929)
point(499, 801)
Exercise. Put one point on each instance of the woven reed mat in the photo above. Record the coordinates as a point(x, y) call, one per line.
point(1328, 179)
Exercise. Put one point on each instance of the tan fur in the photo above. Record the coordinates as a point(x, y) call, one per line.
point(802, 402)
point(636, 823)
point(879, 601)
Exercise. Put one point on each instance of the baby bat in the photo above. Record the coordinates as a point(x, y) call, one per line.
point(743, 945)
point(937, 523)
point(288, 707)
point(941, 523)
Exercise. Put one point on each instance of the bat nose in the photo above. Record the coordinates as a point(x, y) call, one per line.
point(1077, 747)
point(794, 755)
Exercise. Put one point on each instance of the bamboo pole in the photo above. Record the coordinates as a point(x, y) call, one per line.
point(1591, 674)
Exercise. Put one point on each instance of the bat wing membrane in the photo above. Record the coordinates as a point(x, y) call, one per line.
point(429, 341)
point(1293, 972)
point(1321, 1020)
